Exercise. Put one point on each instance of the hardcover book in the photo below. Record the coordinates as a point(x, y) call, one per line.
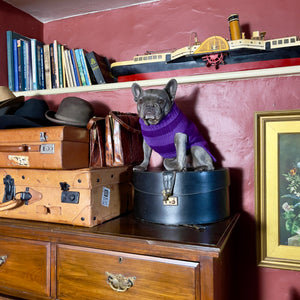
point(84, 67)
point(99, 68)
point(75, 67)
point(19, 66)
point(15, 66)
point(60, 68)
point(80, 67)
point(47, 67)
point(67, 68)
point(55, 67)
point(52, 64)
point(71, 69)
point(37, 64)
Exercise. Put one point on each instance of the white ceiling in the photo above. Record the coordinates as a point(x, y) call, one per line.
point(50, 10)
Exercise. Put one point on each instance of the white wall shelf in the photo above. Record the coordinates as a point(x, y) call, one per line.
point(205, 78)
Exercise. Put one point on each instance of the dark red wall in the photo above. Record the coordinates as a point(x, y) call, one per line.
point(224, 111)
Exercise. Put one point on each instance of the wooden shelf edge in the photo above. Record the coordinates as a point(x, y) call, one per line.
point(205, 78)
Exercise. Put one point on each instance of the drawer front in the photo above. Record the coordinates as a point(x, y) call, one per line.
point(95, 274)
point(25, 266)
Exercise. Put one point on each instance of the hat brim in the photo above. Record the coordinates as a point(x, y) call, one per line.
point(12, 121)
point(13, 101)
point(50, 115)
point(9, 106)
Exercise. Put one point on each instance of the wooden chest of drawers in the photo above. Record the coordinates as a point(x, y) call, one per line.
point(120, 259)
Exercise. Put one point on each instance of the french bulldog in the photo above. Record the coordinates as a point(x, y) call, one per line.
point(167, 131)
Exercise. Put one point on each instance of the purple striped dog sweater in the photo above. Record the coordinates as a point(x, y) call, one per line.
point(160, 137)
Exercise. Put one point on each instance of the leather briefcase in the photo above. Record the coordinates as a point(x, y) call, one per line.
point(55, 147)
point(123, 139)
point(83, 197)
point(96, 126)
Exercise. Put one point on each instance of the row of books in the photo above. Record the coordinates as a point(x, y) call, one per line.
point(33, 65)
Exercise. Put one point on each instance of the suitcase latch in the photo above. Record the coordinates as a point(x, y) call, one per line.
point(43, 137)
point(168, 183)
point(68, 196)
point(9, 188)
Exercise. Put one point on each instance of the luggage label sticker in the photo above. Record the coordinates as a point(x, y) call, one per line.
point(105, 196)
point(19, 160)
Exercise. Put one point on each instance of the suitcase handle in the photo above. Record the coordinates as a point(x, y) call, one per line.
point(10, 204)
point(115, 115)
point(20, 148)
point(28, 197)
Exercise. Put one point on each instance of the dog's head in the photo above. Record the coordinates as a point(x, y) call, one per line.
point(154, 104)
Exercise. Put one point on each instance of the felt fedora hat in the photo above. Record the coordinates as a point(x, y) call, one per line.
point(72, 111)
point(9, 103)
point(30, 114)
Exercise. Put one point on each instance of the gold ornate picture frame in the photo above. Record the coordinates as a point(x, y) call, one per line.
point(277, 187)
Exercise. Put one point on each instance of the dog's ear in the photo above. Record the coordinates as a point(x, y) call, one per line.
point(136, 91)
point(171, 88)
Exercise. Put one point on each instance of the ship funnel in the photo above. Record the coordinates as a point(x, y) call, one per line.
point(234, 27)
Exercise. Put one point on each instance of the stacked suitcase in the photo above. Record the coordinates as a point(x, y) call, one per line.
point(45, 176)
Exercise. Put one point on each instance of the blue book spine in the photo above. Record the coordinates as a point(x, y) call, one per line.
point(25, 66)
point(84, 67)
point(80, 67)
point(39, 46)
point(20, 65)
point(74, 67)
point(15, 63)
point(10, 60)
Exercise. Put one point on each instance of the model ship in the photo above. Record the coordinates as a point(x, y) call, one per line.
point(215, 54)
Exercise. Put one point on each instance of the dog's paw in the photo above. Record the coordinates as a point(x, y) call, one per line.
point(204, 168)
point(140, 168)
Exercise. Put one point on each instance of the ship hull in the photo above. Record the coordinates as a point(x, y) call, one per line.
point(235, 60)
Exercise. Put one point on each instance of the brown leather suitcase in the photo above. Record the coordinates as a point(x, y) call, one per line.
point(83, 197)
point(56, 147)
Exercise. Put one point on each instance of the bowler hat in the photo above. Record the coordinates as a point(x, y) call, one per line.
point(72, 111)
point(8, 101)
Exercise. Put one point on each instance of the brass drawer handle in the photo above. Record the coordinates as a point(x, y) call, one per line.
point(119, 282)
point(3, 259)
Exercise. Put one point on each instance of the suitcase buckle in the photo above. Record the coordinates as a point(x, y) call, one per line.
point(168, 183)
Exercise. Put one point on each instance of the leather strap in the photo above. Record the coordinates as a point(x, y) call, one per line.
point(92, 122)
point(115, 114)
point(18, 201)
point(19, 148)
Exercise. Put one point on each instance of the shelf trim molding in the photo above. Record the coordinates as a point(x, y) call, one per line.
point(205, 78)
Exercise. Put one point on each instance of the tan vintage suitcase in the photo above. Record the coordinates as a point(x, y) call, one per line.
point(84, 197)
point(56, 147)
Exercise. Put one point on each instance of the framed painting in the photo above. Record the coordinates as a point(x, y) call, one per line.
point(277, 188)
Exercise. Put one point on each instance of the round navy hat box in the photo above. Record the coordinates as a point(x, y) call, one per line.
point(190, 197)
